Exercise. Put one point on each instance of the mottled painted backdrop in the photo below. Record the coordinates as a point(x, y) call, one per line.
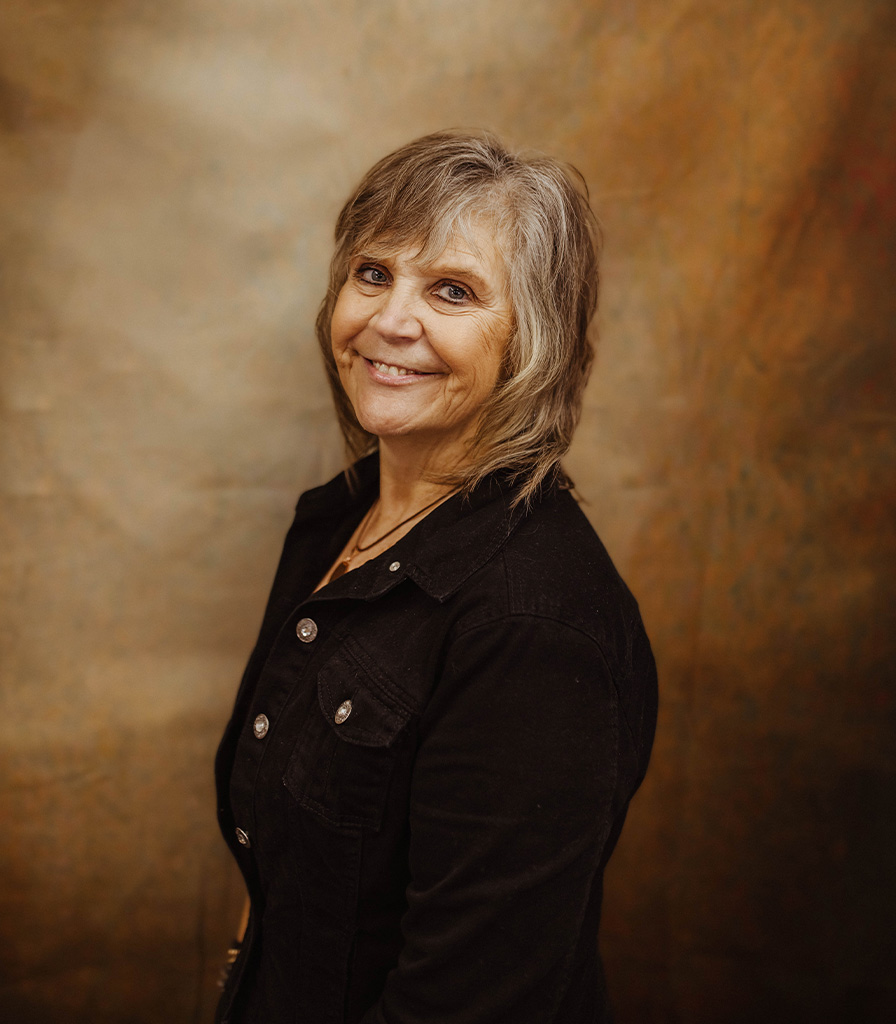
point(168, 178)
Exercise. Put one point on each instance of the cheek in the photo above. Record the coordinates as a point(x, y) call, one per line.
point(494, 350)
point(341, 324)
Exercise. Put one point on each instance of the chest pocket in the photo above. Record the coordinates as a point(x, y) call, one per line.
point(345, 754)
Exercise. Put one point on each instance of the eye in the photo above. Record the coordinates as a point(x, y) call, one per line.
point(372, 274)
point(454, 293)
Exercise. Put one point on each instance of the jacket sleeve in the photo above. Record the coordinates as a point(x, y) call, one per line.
point(513, 796)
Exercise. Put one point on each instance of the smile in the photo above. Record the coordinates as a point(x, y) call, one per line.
point(395, 371)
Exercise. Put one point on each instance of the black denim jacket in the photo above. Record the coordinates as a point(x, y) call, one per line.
point(429, 764)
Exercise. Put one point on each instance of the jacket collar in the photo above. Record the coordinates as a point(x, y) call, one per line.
point(438, 554)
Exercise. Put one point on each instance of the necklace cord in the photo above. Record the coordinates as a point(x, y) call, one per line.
point(359, 549)
point(343, 565)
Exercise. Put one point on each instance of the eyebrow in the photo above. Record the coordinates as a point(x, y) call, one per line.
point(467, 273)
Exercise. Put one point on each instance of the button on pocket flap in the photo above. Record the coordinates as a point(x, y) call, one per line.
point(354, 705)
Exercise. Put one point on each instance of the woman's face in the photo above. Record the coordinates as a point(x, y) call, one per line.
point(419, 343)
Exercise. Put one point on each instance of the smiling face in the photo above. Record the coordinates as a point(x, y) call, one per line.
point(419, 343)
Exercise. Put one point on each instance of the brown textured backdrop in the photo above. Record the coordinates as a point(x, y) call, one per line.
point(169, 175)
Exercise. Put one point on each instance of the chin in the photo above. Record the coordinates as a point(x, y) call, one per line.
point(383, 422)
point(383, 427)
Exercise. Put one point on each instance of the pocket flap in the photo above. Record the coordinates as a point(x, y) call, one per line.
point(355, 707)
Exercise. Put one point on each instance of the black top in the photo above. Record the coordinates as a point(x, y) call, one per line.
point(429, 764)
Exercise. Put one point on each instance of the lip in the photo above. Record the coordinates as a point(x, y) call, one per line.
point(379, 372)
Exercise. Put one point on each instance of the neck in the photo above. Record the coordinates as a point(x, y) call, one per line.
point(405, 480)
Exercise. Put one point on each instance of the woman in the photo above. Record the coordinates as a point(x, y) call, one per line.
point(452, 698)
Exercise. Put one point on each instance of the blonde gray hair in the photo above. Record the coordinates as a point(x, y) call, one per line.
point(439, 187)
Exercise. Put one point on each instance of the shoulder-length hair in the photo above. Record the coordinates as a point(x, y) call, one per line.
point(439, 187)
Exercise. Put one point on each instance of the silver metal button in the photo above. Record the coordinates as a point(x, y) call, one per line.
point(342, 712)
point(260, 727)
point(242, 838)
point(306, 630)
point(394, 567)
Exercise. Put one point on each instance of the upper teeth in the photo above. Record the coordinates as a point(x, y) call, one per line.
point(393, 371)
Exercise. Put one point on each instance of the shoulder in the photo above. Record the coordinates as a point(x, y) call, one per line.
point(554, 566)
point(552, 601)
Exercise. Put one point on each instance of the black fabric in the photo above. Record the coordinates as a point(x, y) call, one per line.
point(437, 857)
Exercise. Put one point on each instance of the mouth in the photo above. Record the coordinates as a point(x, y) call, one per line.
point(391, 370)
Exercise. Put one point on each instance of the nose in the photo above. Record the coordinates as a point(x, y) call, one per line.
point(396, 317)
